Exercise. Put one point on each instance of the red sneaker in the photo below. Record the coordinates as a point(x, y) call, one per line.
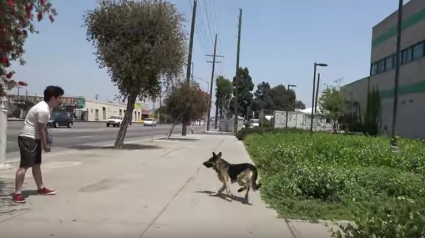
point(18, 198)
point(46, 191)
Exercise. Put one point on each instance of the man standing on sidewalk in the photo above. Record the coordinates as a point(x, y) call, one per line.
point(34, 138)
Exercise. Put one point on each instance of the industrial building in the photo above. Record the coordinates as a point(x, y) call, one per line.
point(411, 107)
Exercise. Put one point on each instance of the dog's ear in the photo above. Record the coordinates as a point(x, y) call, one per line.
point(214, 155)
point(219, 155)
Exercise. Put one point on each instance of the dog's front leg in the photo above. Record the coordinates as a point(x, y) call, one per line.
point(227, 186)
point(221, 189)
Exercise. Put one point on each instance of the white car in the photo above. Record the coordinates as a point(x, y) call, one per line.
point(149, 122)
point(115, 121)
point(255, 122)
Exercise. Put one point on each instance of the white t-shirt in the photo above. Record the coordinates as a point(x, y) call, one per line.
point(38, 113)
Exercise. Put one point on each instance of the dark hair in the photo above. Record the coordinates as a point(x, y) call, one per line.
point(52, 91)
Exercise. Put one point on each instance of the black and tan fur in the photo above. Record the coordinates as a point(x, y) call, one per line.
point(244, 174)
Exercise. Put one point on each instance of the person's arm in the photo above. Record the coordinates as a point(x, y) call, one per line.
point(43, 136)
point(42, 119)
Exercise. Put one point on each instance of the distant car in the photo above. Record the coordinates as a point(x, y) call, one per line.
point(58, 119)
point(115, 121)
point(149, 122)
point(255, 122)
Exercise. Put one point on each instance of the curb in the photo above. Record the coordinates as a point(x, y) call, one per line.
point(217, 133)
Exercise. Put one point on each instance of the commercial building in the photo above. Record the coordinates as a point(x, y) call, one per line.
point(411, 107)
point(80, 108)
point(101, 111)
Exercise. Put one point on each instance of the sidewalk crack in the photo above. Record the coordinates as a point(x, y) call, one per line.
point(166, 206)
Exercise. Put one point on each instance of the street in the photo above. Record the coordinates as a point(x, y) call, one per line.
point(85, 133)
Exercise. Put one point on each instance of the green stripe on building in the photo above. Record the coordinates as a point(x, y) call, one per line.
point(392, 32)
point(404, 90)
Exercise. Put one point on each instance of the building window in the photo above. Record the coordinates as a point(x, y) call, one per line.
point(374, 69)
point(104, 113)
point(418, 51)
point(406, 56)
point(381, 66)
point(91, 110)
point(389, 63)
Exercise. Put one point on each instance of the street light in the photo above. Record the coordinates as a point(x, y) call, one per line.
point(289, 86)
point(314, 87)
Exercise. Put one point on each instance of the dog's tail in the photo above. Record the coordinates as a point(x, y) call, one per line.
point(254, 185)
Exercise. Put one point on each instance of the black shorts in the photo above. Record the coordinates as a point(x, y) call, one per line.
point(30, 151)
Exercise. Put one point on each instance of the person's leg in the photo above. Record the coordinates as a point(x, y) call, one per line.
point(26, 147)
point(19, 179)
point(36, 168)
point(36, 173)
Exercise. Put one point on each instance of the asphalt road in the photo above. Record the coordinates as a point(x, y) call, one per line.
point(86, 133)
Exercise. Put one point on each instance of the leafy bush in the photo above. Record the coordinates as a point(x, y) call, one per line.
point(402, 218)
point(327, 176)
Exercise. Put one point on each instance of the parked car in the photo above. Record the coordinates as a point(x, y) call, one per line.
point(115, 121)
point(255, 122)
point(58, 119)
point(149, 122)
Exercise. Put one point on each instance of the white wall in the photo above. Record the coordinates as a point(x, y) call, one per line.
point(300, 120)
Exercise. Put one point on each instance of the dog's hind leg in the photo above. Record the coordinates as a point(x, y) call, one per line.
point(247, 194)
point(241, 189)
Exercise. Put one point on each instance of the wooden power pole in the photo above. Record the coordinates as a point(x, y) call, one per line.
point(236, 79)
point(189, 56)
point(212, 79)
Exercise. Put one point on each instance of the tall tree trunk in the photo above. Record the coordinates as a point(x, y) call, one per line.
point(119, 142)
point(172, 127)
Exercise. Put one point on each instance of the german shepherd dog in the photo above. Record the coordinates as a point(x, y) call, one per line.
point(245, 174)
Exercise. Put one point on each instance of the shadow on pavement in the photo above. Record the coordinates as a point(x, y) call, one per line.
point(225, 197)
point(7, 206)
point(125, 147)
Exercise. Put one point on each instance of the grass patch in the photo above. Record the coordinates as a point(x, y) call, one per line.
point(327, 176)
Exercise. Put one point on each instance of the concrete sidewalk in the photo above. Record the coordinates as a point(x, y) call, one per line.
point(154, 189)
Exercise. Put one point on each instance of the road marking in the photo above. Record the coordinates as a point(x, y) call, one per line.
point(9, 142)
point(85, 136)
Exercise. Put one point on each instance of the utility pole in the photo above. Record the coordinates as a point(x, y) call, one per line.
point(189, 56)
point(19, 100)
point(397, 74)
point(216, 113)
point(193, 68)
point(236, 79)
point(212, 79)
point(317, 93)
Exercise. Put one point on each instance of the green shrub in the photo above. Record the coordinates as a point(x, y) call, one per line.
point(327, 176)
point(402, 217)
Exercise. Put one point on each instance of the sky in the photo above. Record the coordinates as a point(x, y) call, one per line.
point(280, 42)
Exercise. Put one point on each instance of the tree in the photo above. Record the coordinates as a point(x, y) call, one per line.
point(263, 98)
point(332, 104)
point(223, 94)
point(373, 110)
point(182, 108)
point(142, 44)
point(245, 97)
point(282, 98)
point(299, 105)
point(16, 21)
